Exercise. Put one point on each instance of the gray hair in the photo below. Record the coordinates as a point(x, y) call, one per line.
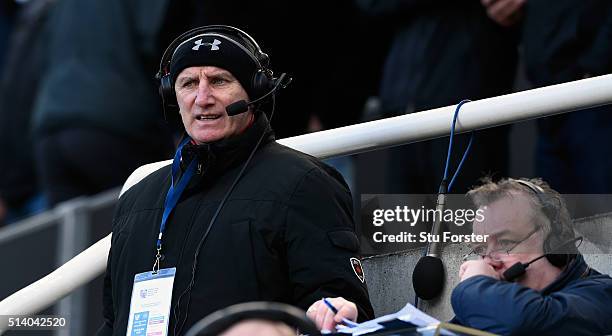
point(549, 213)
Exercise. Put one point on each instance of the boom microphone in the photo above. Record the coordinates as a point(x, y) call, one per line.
point(428, 277)
point(517, 270)
point(242, 106)
point(428, 274)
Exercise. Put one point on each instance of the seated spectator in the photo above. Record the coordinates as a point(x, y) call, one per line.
point(528, 278)
point(504, 292)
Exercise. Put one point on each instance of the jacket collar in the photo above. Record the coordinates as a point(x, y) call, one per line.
point(216, 157)
point(576, 269)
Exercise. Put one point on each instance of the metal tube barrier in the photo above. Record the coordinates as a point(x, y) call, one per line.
point(59, 283)
point(353, 139)
point(480, 114)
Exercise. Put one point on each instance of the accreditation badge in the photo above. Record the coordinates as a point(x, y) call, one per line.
point(150, 304)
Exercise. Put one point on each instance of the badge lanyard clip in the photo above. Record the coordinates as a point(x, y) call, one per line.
point(157, 260)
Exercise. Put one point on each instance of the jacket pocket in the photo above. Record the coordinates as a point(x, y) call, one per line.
point(344, 239)
point(244, 259)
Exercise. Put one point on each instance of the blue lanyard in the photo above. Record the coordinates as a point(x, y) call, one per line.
point(174, 194)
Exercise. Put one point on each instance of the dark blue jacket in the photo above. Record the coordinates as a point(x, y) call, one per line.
point(442, 51)
point(579, 302)
point(564, 40)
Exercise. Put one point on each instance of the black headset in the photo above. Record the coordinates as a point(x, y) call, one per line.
point(556, 238)
point(218, 322)
point(262, 81)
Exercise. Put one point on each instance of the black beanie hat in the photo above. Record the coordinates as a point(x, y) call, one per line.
point(216, 49)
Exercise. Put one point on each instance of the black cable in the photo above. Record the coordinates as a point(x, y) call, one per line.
point(187, 290)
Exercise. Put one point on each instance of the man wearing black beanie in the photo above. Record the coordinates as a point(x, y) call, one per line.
point(236, 217)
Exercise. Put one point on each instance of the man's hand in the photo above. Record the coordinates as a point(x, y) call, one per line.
point(325, 319)
point(314, 124)
point(505, 12)
point(3, 211)
point(476, 267)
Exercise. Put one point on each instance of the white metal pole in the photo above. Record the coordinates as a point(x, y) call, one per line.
point(358, 138)
point(39, 295)
point(475, 115)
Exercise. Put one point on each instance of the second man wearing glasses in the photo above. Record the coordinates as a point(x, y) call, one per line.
point(557, 294)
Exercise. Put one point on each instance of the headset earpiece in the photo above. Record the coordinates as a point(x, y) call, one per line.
point(264, 59)
point(262, 83)
point(558, 260)
point(166, 91)
point(556, 237)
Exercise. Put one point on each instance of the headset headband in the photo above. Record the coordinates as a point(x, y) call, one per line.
point(258, 54)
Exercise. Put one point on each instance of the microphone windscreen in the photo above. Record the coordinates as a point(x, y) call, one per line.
point(238, 107)
point(514, 271)
point(428, 277)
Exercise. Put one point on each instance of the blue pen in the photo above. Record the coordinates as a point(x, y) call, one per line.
point(346, 321)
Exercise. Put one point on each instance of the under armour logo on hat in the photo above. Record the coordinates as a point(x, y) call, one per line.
point(212, 49)
point(213, 46)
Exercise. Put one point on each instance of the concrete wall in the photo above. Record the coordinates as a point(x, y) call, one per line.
point(389, 277)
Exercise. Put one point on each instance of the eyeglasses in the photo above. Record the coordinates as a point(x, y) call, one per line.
point(503, 248)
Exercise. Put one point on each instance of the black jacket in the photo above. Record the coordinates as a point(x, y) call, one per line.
point(285, 234)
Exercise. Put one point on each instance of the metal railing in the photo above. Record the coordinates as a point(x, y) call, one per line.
point(50, 239)
point(353, 139)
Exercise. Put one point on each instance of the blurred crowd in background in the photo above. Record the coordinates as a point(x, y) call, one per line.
point(79, 109)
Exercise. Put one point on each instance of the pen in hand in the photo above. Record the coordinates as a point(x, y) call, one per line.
point(345, 321)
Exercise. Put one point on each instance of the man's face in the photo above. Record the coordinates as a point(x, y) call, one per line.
point(508, 222)
point(203, 93)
